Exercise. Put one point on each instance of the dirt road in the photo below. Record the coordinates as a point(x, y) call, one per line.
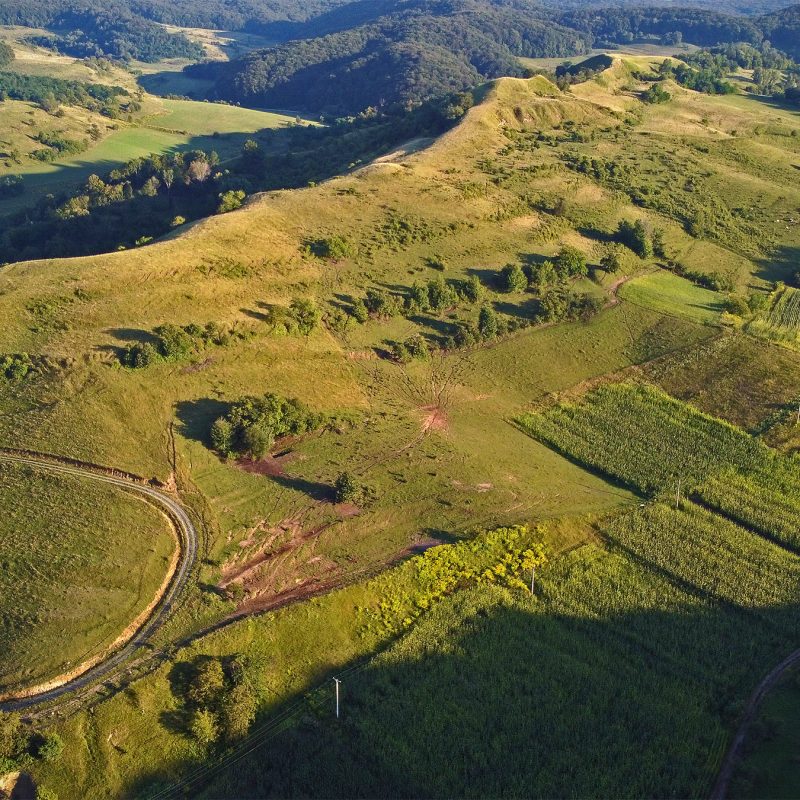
point(188, 544)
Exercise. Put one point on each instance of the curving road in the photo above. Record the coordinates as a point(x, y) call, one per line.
point(187, 538)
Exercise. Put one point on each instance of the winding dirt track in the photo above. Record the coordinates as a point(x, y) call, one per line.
point(733, 756)
point(188, 544)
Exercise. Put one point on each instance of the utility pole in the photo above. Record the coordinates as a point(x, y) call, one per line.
point(533, 578)
point(337, 682)
point(797, 421)
point(678, 495)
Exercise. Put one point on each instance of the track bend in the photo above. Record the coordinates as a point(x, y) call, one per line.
point(188, 544)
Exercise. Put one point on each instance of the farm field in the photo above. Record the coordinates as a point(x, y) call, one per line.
point(769, 768)
point(71, 583)
point(781, 320)
point(661, 447)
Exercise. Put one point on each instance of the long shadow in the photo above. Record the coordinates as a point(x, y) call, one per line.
point(321, 492)
point(494, 696)
point(782, 265)
point(195, 417)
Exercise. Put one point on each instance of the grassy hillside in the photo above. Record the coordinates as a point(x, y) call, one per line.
point(502, 250)
point(90, 559)
point(457, 207)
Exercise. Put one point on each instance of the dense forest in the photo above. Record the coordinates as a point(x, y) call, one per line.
point(406, 51)
point(103, 29)
point(414, 51)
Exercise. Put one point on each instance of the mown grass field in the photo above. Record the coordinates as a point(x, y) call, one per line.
point(80, 561)
point(662, 291)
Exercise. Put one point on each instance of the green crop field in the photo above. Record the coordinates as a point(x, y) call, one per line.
point(80, 561)
point(769, 768)
point(781, 320)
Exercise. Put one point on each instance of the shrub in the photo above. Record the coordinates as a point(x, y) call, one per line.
point(637, 237)
point(470, 290)
point(487, 323)
point(230, 200)
point(359, 311)
point(51, 747)
point(737, 306)
point(656, 94)
point(347, 489)
point(612, 259)
point(440, 295)
point(334, 248)
point(305, 314)
point(204, 727)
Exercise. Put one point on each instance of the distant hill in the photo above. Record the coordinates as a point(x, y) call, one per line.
point(379, 53)
point(782, 28)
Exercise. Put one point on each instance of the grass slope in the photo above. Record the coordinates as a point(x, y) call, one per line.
point(79, 562)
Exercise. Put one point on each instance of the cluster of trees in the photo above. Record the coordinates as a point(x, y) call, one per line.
point(300, 318)
point(177, 343)
point(111, 101)
point(129, 206)
point(222, 699)
point(405, 53)
point(252, 425)
point(6, 54)
point(539, 277)
point(707, 76)
point(656, 94)
point(708, 280)
point(57, 145)
point(11, 186)
point(436, 296)
point(774, 73)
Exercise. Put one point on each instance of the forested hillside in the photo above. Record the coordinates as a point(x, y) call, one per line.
point(374, 54)
point(413, 51)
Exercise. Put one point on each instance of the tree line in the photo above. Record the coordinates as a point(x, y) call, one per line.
point(149, 196)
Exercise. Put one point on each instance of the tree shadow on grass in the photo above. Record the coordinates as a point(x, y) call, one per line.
point(782, 264)
point(316, 490)
point(195, 417)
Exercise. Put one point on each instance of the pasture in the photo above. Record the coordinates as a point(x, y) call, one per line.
point(670, 294)
point(171, 125)
point(80, 561)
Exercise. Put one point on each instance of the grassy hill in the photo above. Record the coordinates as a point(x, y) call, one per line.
point(532, 175)
point(87, 573)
